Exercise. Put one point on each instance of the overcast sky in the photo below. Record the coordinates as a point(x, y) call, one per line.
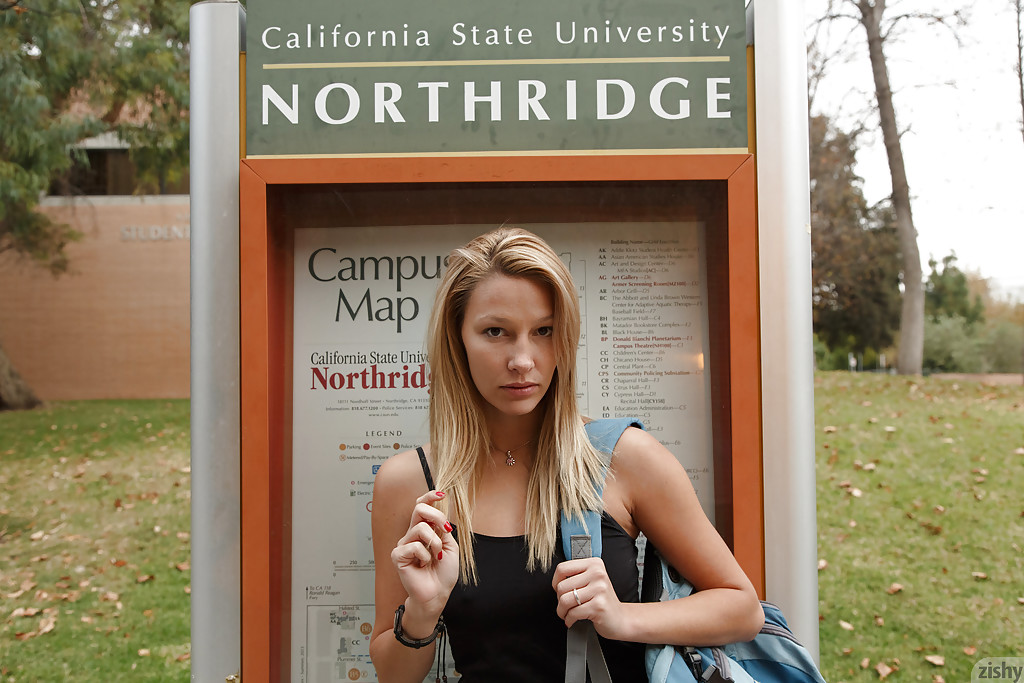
point(964, 150)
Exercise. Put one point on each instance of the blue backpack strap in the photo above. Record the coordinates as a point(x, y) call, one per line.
point(581, 538)
point(603, 434)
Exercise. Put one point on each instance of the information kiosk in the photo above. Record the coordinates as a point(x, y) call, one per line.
point(373, 139)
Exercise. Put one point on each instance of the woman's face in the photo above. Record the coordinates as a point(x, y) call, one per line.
point(508, 334)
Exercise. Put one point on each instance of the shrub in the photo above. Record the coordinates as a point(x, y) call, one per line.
point(1003, 345)
point(952, 345)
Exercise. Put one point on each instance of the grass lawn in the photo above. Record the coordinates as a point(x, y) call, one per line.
point(94, 541)
point(920, 529)
point(920, 526)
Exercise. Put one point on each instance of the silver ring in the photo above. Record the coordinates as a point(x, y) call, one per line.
point(576, 594)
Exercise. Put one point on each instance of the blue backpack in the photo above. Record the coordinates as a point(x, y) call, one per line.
point(773, 656)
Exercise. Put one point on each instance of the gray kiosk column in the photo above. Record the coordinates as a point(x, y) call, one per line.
point(787, 359)
point(217, 40)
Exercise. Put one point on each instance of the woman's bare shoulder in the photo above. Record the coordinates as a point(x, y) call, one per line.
point(645, 468)
point(637, 448)
point(401, 474)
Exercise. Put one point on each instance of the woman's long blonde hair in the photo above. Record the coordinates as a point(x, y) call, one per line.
point(566, 466)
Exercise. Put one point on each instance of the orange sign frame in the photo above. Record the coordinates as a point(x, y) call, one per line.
point(266, 256)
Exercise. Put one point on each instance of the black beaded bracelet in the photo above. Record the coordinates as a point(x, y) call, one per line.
point(418, 643)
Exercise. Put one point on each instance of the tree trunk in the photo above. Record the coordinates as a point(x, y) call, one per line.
point(15, 394)
point(911, 345)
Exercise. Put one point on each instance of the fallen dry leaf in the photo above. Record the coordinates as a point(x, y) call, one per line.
point(822, 564)
point(980, 576)
point(143, 652)
point(845, 625)
point(47, 624)
point(970, 650)
point(830, 429)
point(144, 578)
point(182, 566)
point(894, 588)
point(937, 660)
point(183, 658)
point(879, 621)
point(865, 663)
point(938, 679)
point(883, 669)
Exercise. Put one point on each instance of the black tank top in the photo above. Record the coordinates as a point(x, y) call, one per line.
point(505, 627)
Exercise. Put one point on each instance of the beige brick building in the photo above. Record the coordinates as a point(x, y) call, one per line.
point(117, 324)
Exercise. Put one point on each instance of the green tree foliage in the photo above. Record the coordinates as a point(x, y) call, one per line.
point(968, 328)
point(70, 70)
point(946, 293)
point(854, 247)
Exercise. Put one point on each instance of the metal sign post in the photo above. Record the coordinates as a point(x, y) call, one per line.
point(217, 37)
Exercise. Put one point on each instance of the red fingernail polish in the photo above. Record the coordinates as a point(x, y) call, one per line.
point(439, 494)
point(448, 527)
point(440, 554)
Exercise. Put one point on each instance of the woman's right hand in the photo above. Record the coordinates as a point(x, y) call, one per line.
point(427, 556)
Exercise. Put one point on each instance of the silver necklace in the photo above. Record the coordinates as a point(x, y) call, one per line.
point(509, 460)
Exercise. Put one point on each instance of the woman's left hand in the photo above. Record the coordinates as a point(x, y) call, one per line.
point(584, 591)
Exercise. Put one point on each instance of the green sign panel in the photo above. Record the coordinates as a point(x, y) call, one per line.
point(394, 77)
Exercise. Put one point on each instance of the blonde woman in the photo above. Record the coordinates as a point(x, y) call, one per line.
point(466, 529)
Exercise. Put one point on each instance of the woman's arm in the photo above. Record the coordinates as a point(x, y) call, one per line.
point(660, 499)
point(416, 562)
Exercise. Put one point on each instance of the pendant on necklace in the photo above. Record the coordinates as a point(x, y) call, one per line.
point(509, 460)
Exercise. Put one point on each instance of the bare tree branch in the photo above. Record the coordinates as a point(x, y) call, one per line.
point(952, 22)
point(1018, 5)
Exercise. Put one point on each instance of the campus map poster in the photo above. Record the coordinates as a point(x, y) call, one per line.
point(360, 392)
